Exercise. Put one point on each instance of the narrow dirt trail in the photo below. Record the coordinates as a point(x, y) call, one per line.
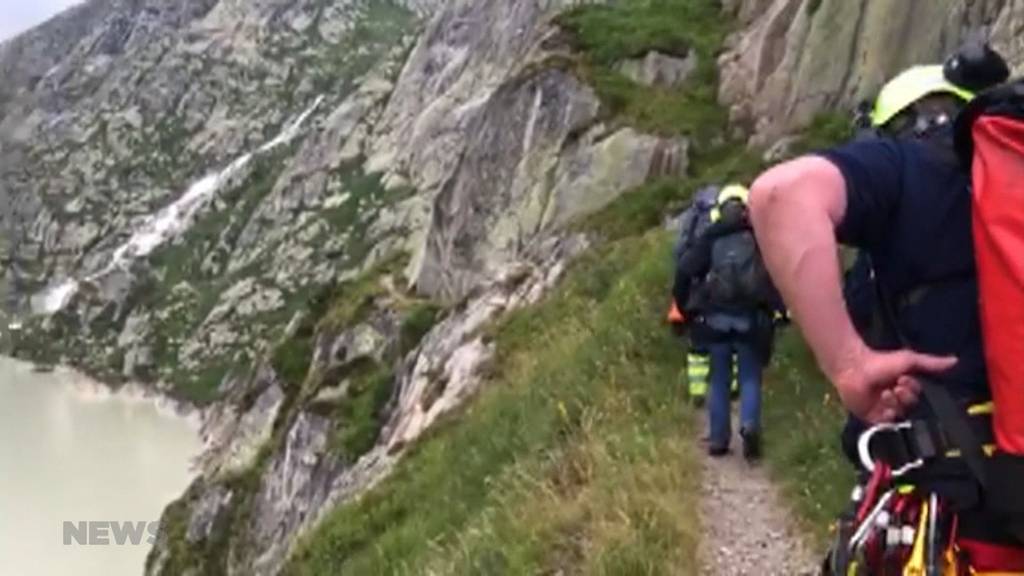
point(746, 526)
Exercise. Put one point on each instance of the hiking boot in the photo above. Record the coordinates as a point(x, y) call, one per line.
point(751, 445)
point(717, 451)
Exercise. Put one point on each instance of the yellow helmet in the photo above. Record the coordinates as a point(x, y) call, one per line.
point(910, 86)
point(730, 192)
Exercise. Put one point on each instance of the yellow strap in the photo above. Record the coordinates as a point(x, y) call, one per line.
point(981, 409)
point(989, 449)
point(915, 566)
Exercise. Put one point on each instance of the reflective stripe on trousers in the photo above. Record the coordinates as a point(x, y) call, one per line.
point(698, 368)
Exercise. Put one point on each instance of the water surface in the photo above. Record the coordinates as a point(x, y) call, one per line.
point(71, 451)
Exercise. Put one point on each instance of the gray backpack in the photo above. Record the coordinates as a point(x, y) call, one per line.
point(737, 279)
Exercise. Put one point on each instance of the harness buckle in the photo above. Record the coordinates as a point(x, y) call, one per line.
point(864, 448)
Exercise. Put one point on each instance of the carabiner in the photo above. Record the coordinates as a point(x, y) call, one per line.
point(864, 448)
point(861, 534)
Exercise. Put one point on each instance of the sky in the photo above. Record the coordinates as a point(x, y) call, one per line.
point(20, 15)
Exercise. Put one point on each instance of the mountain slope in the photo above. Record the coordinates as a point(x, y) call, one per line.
point(311, 218)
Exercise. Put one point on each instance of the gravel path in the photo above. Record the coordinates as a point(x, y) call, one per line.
point(747, 528)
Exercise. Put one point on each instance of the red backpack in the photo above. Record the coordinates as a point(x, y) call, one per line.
point(990, 139)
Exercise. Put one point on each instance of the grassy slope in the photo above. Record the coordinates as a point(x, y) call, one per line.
point(579, 456)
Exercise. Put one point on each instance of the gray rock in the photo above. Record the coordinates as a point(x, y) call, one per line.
point(657, 69)
point(788, 63)
point(206, 512)
point(295, 485)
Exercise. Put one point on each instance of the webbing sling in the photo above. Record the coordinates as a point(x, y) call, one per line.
point(953, 419)
point(951, 416)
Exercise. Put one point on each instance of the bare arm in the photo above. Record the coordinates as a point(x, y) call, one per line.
point(795, 209)
point(801, 203)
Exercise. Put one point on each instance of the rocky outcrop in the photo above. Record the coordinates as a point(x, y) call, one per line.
point(501, 141)
point(304, 475)
point(661, 70)
point(793, 59)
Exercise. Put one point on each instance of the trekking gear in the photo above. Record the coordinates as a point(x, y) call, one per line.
point(737, 278)
point(910, 86)
point(695, 220)
point(902, 522)
point(692, 224)
point(990, 139)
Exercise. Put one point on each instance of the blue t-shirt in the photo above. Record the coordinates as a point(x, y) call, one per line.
point(909, 207)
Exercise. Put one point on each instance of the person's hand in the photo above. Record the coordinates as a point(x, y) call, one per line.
point(882, 386)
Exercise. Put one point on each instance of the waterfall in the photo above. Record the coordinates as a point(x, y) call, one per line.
point(170, 222)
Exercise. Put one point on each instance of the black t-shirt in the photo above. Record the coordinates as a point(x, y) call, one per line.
point(909, 207)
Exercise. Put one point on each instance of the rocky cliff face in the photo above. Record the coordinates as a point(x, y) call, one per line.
point(182, 178)
point(792, 59)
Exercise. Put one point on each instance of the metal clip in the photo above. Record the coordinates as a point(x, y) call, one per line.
point(864, 448)
point(869, 521)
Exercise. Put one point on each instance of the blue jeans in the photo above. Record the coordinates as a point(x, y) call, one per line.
point(721, 379)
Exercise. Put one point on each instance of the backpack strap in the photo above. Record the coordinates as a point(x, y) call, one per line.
point(951, 416)
point(1005, 100)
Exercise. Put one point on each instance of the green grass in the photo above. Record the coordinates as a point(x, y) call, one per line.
point(577, 457)
point(608, 34)
point(418, 320)
point(348, 303)
point(825, 130)
point(802, 421)
point(291, 357)
point(357, 419)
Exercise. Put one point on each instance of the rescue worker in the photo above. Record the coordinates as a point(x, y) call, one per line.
point(724, 281)
point(693, 221)
point(905, 201)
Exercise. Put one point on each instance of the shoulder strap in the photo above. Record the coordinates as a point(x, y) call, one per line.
point(951, 415)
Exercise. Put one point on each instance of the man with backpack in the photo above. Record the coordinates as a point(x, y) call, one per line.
point(723, 280)
point(692, 223)
point(938, 476)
